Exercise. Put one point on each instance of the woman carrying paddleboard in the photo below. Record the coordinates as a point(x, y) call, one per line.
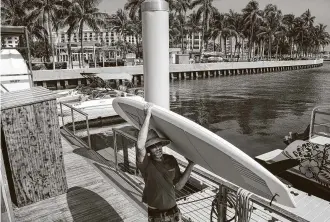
point(161, 174)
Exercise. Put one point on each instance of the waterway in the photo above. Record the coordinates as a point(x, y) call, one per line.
point(253, 112)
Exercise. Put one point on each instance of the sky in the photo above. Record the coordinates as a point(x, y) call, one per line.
point(319, 8)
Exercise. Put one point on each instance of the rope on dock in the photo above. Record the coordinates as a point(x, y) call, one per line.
point(244, 206)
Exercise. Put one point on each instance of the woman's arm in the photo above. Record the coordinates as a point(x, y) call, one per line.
point(185, 176)
point(142, 137)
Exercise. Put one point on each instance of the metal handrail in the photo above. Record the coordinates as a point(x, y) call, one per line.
point(74, 108)
point(89, 145)
point(231, 187)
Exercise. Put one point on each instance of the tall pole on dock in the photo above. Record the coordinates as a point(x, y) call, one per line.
point(155, 39)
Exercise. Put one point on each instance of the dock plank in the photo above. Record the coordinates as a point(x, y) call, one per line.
point(90, 196)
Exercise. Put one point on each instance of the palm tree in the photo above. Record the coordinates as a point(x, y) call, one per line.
point(121, 46)
point(85, 12)
point(308, 21)
point(288, 21)
point(180, 6)
point(134, 8)
point(13, 12)
point(324, 37)
point(119, 22)
point(207, 10)
point(180, 23)
point(135, 29)
point(193, 26)
point(321, 37)
point(298, 30)
point(252, 14)
point(235, 23)
point(174, 31)
point(47, 12)
point(271, 26)
point(217, 24)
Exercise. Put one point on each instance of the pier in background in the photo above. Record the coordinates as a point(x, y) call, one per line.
point(70, 78)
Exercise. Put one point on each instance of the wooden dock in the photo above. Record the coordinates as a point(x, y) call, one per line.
point(95, 192)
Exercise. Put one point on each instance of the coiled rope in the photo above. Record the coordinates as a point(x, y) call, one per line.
point(243, 204)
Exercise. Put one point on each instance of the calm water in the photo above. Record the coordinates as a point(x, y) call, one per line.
point(253, 112)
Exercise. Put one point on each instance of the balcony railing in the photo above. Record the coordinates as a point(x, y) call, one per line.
point(204, 198)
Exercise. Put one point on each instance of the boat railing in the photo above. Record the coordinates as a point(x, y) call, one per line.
point(320, 122)
point(205, 197)
point(75, 122)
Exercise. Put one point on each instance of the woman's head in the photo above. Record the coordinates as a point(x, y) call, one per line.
point(155, 151)
point(154, 144)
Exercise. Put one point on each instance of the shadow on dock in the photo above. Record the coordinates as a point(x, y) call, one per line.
point(134, 194)
point(79, 201)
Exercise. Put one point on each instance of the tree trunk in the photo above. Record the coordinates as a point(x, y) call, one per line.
point(225, 40)
point(137, 46)
point(251, 36)
point(69, 53)
point(242, 48)
point(276, 50)
point(213, 45)
point(51, 40)
point(193, 40)
point(81, 59)
point(302, 44)
point(220, 42)
point(263, 49)
point(125, 47)
point(270, 48)
point(182, 40)
point(235, 46)
point(202, 40)
point(291, 46)
point(239, 52)
point(297, 46)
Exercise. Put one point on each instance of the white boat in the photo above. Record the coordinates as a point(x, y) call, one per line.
point(15, 74)
point(306, 163)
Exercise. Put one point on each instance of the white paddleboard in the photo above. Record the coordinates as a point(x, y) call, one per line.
point(207, 150)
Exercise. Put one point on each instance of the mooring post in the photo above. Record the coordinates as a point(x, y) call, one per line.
point(155, 35)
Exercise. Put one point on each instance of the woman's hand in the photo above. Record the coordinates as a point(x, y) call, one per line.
point(190, 162)
point(148, 109)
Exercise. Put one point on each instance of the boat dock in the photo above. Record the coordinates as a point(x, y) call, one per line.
point(70, 78)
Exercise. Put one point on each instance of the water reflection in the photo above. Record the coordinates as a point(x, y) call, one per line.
point(254, 112)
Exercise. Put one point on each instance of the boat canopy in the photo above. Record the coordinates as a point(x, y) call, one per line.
point(12, 63)
point(14, 71)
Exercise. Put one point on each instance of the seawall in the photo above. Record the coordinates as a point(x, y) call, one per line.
point(64, 78)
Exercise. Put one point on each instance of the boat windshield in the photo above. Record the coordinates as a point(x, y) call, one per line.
point(320, 124)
